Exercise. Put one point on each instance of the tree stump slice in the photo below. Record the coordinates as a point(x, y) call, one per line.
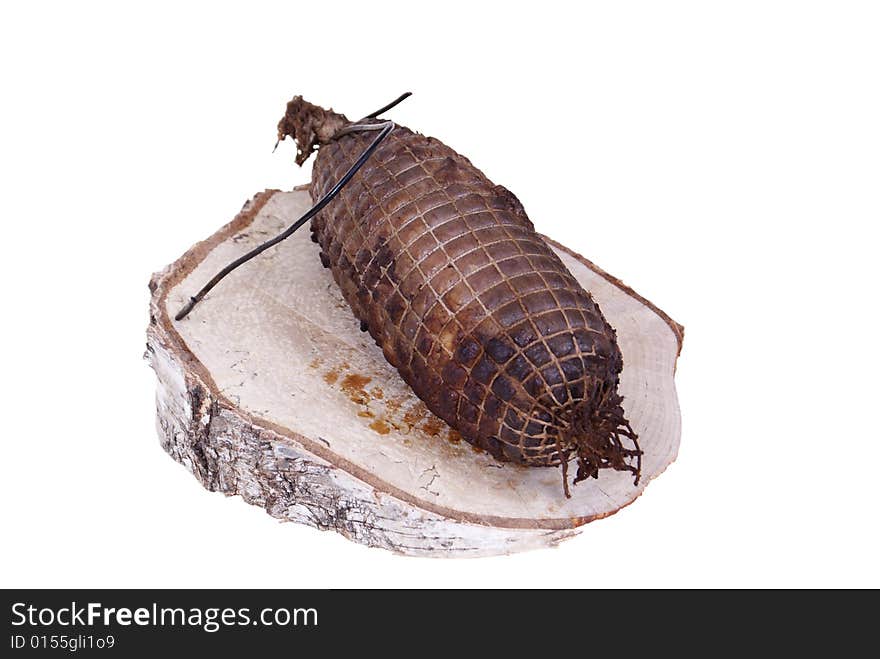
point(269, 390)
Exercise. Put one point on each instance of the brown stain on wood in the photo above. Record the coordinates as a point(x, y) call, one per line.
point(380, 427)
point(355, 381)
point(416, 420)
point(432, 425)
point(414, 415)
point(353, 386)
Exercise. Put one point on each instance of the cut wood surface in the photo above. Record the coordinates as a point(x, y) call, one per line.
point(269, 390)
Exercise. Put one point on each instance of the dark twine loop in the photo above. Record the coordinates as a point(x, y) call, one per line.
point(384, 127)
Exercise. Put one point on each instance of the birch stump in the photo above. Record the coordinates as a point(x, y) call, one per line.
point(269, 390)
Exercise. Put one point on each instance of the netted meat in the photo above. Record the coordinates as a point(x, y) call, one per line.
point(472, 307)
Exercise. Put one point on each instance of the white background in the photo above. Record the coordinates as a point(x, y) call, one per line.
point(721, 158)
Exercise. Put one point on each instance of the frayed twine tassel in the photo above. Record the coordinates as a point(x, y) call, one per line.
point(594, 434)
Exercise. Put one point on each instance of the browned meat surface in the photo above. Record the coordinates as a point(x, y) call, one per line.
point(477, 313)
